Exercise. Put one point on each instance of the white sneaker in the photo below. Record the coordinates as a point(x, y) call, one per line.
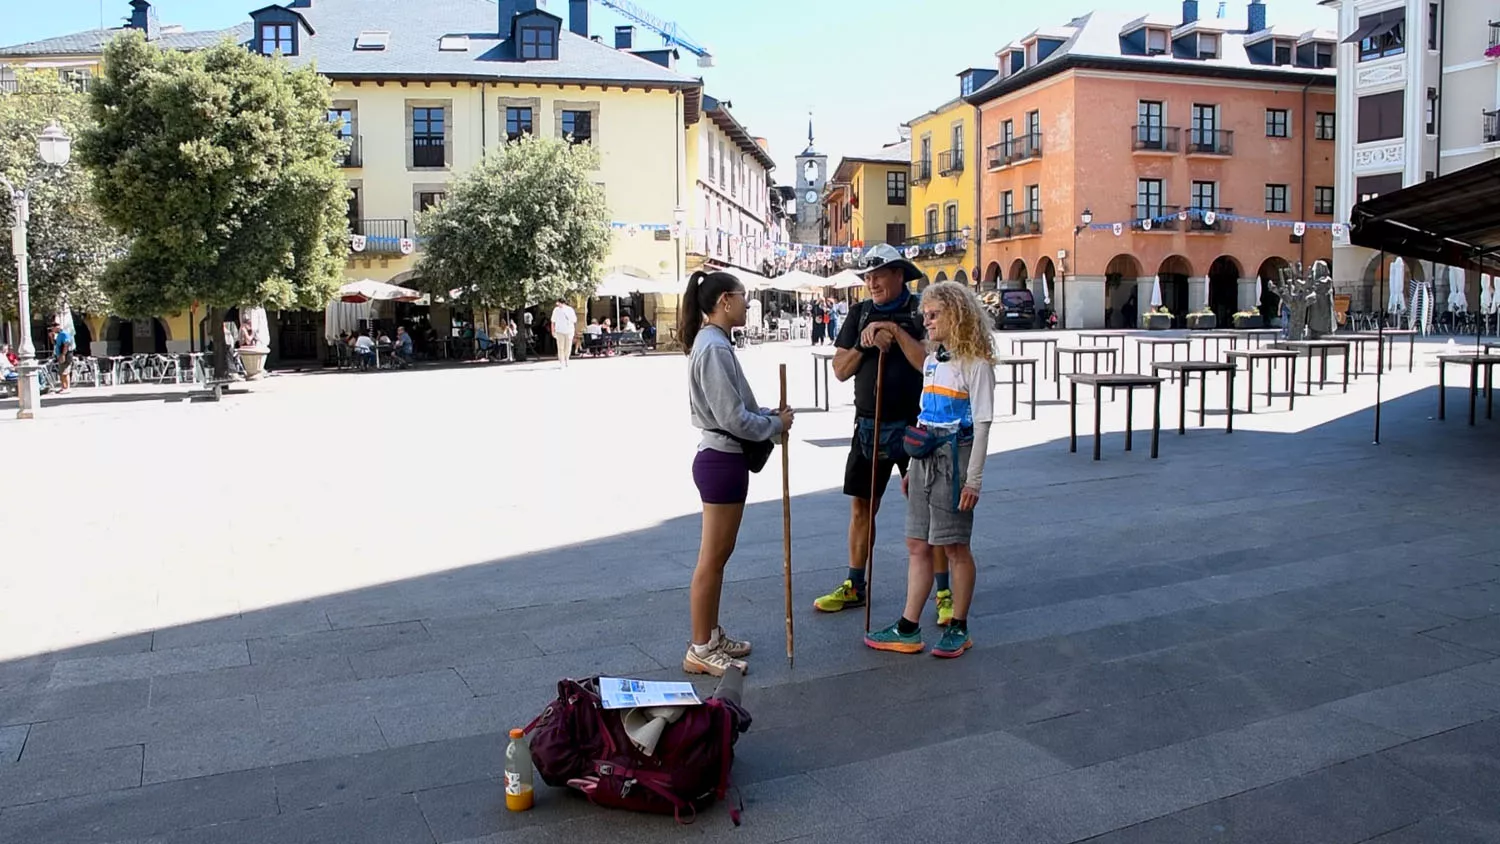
point(715, 662)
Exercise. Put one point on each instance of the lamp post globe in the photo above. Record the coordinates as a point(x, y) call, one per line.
point(1088, 216)
point(54, 146)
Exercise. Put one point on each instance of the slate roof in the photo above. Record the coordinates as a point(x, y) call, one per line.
point(413, 49)
point(91, 42)
point(1096, 36)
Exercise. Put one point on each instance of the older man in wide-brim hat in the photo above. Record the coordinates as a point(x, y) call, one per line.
point(889, 322)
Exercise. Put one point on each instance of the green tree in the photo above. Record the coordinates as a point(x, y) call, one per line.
point(221, 167)
point(69, 242)
point(527, 225)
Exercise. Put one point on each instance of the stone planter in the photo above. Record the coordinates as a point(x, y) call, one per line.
point(1249, 322)
point(253, 358)
point(1157, 322)
point(1202, 322)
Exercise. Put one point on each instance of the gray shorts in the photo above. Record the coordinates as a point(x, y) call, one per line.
point(932, 513)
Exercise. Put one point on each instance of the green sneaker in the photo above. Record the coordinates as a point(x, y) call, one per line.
point(842, 598)
point(953, 643)
point(944, 607)
point(892, 639)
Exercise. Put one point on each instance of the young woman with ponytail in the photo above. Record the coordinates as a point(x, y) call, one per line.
point(724, 408)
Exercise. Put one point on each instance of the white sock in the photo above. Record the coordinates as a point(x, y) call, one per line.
point(710, 646)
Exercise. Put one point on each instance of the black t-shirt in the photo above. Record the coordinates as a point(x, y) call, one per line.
point(903, 382)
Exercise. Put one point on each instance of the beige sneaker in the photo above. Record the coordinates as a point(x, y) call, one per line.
point(715, 662)
point(736, 648)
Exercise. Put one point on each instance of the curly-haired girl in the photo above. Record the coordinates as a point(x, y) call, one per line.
point(948, 445)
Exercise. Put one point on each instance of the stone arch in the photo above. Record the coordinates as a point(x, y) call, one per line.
point(132, 337)
point(1223, 294)
point(1174, 271)
point(1377, 275)
point(942, 275)
point(1120, 276)
point(961, 277)
point(1017, 277)
point(991, 277)
point(1269, 271)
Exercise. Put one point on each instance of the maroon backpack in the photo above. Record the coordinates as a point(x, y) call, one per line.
point(578, 743)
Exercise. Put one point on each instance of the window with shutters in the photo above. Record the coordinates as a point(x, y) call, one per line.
point(1380, 116)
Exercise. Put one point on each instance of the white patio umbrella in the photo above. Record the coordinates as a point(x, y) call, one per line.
point(799, 281)
point(343, 318)
point(845, 280)
point(1397, 301)
point(1156, 292)
point(259, 326)
point(369, 290)
point(1486, 294)
point(1041, 284)
point(1458, 297)
point(1260, 292)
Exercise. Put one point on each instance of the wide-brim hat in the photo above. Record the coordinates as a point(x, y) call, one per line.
point(884, 255)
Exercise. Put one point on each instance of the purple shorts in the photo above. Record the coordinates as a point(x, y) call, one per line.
point(722, 477)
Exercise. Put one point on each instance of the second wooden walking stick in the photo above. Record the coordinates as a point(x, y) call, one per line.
point(786, 525)
point(874, 484)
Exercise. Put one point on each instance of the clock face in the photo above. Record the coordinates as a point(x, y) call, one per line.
point(812, 196)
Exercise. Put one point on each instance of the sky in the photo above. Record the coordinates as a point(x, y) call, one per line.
point(861, 67)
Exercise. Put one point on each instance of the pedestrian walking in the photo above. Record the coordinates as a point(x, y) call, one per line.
point(889, 321)
point(948, 447)
point(564, 321)
point(819, 322)
point(738, 437)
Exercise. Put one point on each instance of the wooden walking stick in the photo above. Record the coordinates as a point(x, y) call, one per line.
point(874, 479)
point(786, 526)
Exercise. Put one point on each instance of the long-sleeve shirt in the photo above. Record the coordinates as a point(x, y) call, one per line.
point(720, 397)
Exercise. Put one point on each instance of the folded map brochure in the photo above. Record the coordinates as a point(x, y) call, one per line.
point(619, 693)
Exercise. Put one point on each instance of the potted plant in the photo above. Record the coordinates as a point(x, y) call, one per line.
point(1157, 319)
point(1034, 227)
point(1248, 319)
point(1202, 319)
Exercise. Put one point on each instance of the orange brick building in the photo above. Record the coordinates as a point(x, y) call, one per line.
point(1173, 129)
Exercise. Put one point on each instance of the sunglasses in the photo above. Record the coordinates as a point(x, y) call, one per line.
point(928, 316)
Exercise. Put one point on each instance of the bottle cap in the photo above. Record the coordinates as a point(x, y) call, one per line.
point(517, 733)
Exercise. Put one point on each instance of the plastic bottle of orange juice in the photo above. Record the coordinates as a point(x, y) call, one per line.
point(518, 791)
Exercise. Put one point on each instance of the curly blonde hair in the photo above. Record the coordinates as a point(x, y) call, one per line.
point(970, 335)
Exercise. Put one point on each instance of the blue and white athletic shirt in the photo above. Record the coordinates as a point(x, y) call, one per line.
point(956, 393)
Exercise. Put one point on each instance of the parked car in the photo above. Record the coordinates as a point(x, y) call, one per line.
point(1013, 309)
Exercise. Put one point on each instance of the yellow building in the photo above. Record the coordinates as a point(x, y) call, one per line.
point(866, 201)
point(421, 92)
point(944, 182)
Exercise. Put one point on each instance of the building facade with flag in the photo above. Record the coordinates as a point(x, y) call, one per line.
point(943, 186)
point(867, 200)
point(1203, 150)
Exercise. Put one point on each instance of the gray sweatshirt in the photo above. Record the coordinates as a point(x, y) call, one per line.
point(721, 398)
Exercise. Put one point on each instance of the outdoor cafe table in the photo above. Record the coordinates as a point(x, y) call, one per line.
point(1114, 381)
point(1390, 334)
point(1218, 337)
point(826, 356)
point(1016, 365)
point(1048, 344)
point(1255, 337)
point(1359, 341)
point(1105, 338)
point(1202, 367)
point(1473, 362)
point(1250, 356)
point(1109, 352)
point(1155, 342)
point(1322, 347)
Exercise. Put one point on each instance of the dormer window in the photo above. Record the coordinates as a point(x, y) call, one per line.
point(1282, 52)
point(278, 38)
point(1323, 55)
point(1156, 42)
point(538, 43)
point(1208, 46)
point(373, 39)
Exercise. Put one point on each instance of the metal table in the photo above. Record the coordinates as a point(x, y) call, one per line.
point(1107, 337)
point(1218, 337)
point(1048, 344)
point(1076, 351)
point(1202, 367)
point(1128, 383)
point(1250, 356)
point(1473, 362)
point(1154, 343)
point(1016, 365)
point(827, 358)
point(1258, 336)
point(1322, 347)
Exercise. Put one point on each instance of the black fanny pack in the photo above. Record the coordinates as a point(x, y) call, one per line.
point(757, 452)
point(891, 437)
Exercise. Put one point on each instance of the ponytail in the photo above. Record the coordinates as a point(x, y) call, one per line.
point(700, 298)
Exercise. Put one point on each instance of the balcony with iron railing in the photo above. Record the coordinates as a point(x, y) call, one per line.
point(429, 151)
point(1164, 218)
point(354, 153)
point(1210, 142)
point(1495, 33)
point(10, 86)
point(950, 162)
point(382, 236)
point(1197, 222)
point(1015, 150)
point(1492, 127)
point(956, 245)
point(921, 172)
point(1014, 224)
point(1154, 137)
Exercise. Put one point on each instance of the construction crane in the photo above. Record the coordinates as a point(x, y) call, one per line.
point(671, 35)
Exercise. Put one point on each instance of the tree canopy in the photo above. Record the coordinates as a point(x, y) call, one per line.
point(527, 225)
point(221, 167)
point(69, 242)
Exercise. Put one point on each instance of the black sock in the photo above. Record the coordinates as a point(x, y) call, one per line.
point(906, 628)
point(959, 624)
point(857, 579)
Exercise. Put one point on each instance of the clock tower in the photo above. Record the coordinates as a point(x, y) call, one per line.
point(812, 175)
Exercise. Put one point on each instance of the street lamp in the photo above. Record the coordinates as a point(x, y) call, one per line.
point(1084, 219)
point(54, 147)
